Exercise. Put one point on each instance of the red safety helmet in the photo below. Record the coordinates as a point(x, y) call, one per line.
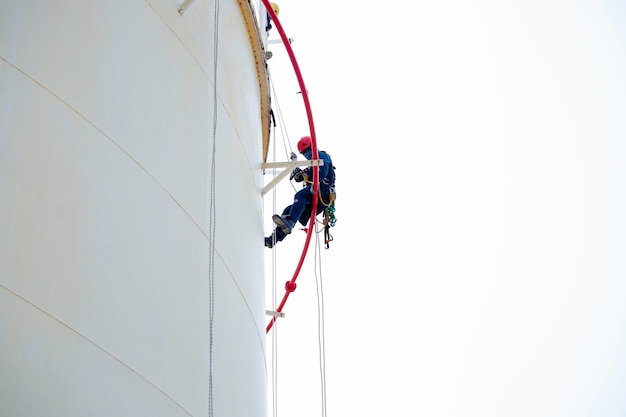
point(304, 143)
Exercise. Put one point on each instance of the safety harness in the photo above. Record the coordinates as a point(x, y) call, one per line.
point(329, 206)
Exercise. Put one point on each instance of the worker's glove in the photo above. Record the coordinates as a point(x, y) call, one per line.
point(299, 175)
point(296, 173)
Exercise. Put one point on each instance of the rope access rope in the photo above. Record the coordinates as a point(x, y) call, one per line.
point(281, 122)
point(212, 211)
point(290, 286)
point(321, 336)
point(275, 333)
point(287, 150)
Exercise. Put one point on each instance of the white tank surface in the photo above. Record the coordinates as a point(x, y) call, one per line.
point(112, 299)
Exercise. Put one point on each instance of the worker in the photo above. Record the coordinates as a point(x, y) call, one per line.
point(276, 9)
point(300, 210)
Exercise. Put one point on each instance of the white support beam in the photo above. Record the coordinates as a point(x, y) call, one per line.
point(272, 41)
point(305, 163)
point(279, 177)
point(289, 166)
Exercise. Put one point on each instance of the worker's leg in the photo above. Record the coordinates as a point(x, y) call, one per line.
point(279, 234)
point(301, 201)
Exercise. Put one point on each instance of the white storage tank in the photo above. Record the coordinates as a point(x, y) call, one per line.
point(115, 183)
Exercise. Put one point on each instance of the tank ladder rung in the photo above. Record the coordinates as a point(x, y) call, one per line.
point(274, 313)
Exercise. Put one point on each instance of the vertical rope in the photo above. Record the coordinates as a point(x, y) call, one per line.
point(212, 216)
point(315, 189)
point(274, 291)
point(280, 125)
point(321, 336)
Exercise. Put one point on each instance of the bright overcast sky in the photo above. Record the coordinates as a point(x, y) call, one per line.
point(478, 267)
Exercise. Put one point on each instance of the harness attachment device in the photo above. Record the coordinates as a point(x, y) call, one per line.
point(329, 221)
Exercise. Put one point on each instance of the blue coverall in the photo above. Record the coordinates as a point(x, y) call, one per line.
point(300, 210)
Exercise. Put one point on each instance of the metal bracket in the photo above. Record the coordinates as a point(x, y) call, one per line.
point(274, 313)
point(289, 166)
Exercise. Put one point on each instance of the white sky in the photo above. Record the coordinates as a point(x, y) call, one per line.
point(478, 263)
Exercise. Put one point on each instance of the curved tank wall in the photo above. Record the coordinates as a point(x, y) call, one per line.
point(106, 133)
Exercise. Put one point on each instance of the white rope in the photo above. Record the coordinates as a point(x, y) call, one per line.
point(280, 124)
point(212, 217)
point(287, 149)
point(274, 298)
point(321, 334)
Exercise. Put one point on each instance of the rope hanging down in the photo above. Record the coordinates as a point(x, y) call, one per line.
point(212, 211)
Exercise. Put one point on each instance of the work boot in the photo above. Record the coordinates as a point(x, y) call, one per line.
point(269, 242)
point(285, 223)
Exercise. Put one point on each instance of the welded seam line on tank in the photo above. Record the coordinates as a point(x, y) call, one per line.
point(97, 346)
point(177, 37)
point(246, 156)
point(244, 298)
point(206, 75)
point(240, 142)
point(114, 143)
point(138, 164)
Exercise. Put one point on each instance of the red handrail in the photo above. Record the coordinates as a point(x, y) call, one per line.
point(290, 286)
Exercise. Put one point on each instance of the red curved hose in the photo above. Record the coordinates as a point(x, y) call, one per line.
point(291, 285)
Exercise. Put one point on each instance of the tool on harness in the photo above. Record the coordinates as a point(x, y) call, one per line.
point(329, 221)
point(329, 211)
